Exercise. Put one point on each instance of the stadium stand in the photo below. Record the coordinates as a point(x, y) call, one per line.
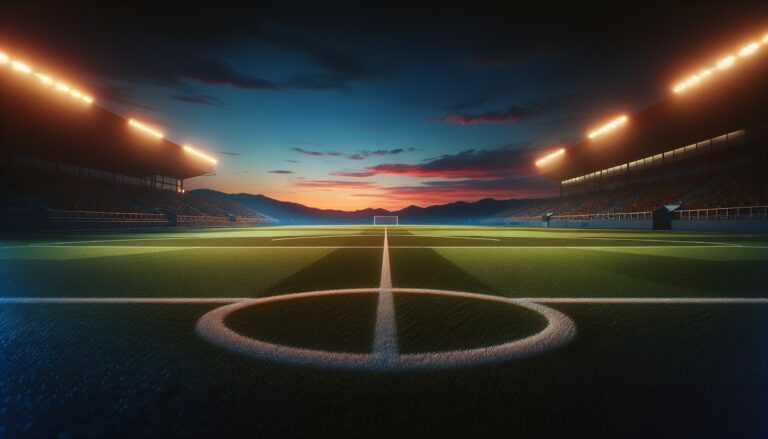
point(705, 146)
point(67, 162)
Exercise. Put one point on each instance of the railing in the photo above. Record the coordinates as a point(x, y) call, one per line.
point(76, 215)
point(203, 219)
point(81, 215)
point(722, 213)
point(616, 216)
point(524, 218)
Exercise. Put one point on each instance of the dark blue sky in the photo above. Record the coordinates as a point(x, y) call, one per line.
point(350, 106)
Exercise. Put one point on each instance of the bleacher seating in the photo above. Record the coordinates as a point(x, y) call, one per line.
point(40, 189)
point(735, 188)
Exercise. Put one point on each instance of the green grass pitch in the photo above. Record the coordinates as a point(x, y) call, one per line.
point(89, 349)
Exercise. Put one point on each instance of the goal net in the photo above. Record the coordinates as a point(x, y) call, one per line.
point(385, 220)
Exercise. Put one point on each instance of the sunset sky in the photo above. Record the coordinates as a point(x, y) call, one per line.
point(349, 107)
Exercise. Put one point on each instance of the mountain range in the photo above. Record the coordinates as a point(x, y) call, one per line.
point(459, 212)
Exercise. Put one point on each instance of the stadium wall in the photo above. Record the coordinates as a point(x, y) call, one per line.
point(605, 224)
point(747, 226)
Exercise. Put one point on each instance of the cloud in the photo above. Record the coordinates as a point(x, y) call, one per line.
point(360, 155)
point(469, 164)
point(166, 46)
point(507, 187)
point(228, 153)
point(308, 152)
point(199, 100)
point(279, 171)
point(335, 184)
point(513, 114)
point(292, 161)
point(351, 173)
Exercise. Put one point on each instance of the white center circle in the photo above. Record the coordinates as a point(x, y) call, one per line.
point(560, 330)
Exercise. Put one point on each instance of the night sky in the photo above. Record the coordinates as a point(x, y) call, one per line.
point(372, 105)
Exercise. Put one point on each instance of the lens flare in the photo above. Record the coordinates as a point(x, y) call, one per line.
point(749, 49)
point(21, 67)
point(145, 128)
point(199, 154)
point(609, 126)
point(549, 157)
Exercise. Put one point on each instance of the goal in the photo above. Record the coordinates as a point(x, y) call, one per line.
point(385, 220)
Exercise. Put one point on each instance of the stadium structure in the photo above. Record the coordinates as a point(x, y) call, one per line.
point(67, 163)
point(702, 152)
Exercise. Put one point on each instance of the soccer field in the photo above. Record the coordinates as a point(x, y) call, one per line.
point(384, 330)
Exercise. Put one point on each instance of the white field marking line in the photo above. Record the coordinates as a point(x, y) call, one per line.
point(182, 247)
point(121, 300)
point(542, 300)
point(399, 236)
point(712, 243)
point(288, 238)
point(385, 331)
point(522, 247)
point(651, 300)
point(559, 330)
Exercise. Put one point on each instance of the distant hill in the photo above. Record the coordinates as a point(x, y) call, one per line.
point(294, 213)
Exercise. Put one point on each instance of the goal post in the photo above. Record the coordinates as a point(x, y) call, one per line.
point(385, 220)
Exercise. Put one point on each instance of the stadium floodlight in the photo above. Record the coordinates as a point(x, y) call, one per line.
point(199, 154)
point(724, 63)
point(45, 79)
point(21, 67)
point(386, 220)
point(145, 128)
point(549, 157)
point(749, 49)
point(609, 126)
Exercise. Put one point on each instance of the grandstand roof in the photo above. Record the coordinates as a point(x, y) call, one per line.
point(36, 122)
point(727, 102)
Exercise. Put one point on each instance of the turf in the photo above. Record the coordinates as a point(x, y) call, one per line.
point(645, 370)
point(430, 323)
point(340, 323)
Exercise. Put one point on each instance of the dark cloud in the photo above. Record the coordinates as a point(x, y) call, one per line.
point(292, 161)
point(120, 95)
point(308, 152)
point(228, 153)
point(498, 162)
point(280, 171)
point(512, 114)
point(361, 155)
point(164, 45)
point(506, 187)
point(199, 100)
